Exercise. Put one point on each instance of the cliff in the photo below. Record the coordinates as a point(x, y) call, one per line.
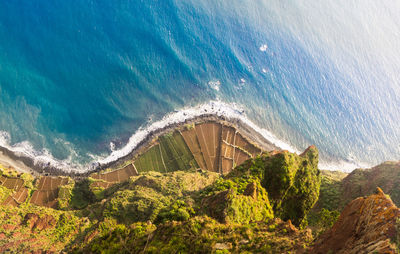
point(366, 225)
point(204, 188)
point(192, 210)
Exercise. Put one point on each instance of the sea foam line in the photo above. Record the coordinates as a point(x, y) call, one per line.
point(229, 111)
point(39, 157)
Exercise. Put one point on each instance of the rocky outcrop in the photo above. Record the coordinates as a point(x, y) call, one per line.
point(366, 225)
point(292, 181)
point(231, 206)
point(34, 222)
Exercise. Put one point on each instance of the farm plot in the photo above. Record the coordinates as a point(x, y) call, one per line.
point(11, 182)
point(209, 136)
point(240, 157)
point(226, 165)
point(17, 186)
point(101, 184)
point(47, 192)
point(126, 172)
point(151, 160)
point(46, 198)
point(228, 134)
point(170, 154)
point(17, 198)
point(108, 179)
point(190, 137)
point(235, 149)
point(227, 151)
point(175, 153)
point(241, 142)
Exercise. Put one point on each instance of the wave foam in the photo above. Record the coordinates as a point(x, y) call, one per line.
point(40, 157)
point(230, 111)
point(218, 108)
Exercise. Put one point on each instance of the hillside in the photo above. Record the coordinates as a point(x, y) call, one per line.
point(338, 188)
point(203, 188)
point(251, 208)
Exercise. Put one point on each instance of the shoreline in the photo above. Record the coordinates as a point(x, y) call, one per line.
point(25, 164)
point(248, 133)
point(217, 111)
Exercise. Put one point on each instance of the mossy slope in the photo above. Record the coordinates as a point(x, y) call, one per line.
point(292, 181)
point(183, 211)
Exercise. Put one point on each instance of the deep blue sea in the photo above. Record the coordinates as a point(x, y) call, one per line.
point(78, 79)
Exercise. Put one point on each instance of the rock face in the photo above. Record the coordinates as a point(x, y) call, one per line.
point(292, 181)
point(366, 225)
point(34, 222)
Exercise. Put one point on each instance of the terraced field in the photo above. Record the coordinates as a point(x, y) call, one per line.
point(210, 146)
point(217, 147)
point(106, 180)
point(47, 191)
point(11, 182)
point(20, 192)
point(170, 153)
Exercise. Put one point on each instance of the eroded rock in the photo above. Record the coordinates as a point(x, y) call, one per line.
point(366, 225)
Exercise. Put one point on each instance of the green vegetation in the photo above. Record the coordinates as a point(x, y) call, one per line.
point(29, 227)
point(331, 190)
point(65, 193)
point(363, 182)
point(4, 193)
point(180, 211)
point(170, 154)
point(327, 209)
point(202, 235)
point(292, 182)
point(240, 200)
point(28, 180)
point(81, 195)
point(146, 196)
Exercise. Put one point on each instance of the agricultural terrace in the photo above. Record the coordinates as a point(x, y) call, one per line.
point(107, 179)
point(169, 153)
point(210, 146)
point(15, 193)
point(47, 191)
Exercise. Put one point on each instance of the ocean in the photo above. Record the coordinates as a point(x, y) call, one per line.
point(82, 82)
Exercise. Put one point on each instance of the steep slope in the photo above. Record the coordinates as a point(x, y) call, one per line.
point(366, 225)
point(338, 188)
point(192, 210)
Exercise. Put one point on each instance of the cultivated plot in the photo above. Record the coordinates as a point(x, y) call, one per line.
point(106, 180)
point(20, 192)
point(190, 137)
point(209, 136)
point(47, 191)
point(170, 154)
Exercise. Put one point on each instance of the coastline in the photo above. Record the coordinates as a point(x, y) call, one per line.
point(27, 164)
point(10, 160)
point(249, 134)
point(43, 163)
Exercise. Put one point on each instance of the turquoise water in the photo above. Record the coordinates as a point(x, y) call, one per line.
point(78, 76)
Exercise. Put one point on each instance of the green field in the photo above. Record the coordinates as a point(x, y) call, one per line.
point(170, 154)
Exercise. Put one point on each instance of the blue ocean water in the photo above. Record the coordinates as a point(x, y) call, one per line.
point(75, 76)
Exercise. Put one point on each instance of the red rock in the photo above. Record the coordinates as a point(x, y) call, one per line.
point(366, 225)
point(33, 221)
